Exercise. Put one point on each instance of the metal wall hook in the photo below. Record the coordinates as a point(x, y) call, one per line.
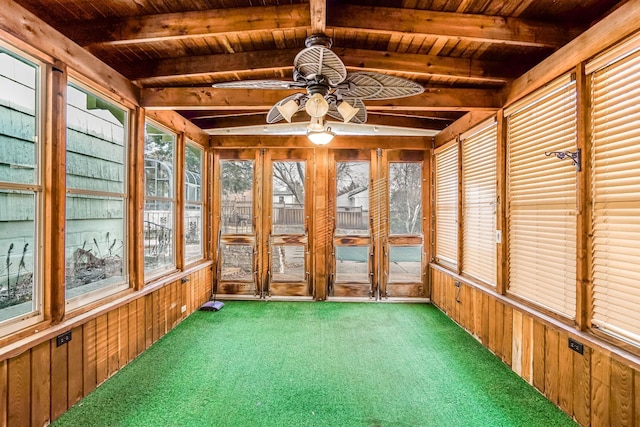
point(576, 157)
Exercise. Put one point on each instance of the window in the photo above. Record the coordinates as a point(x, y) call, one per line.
point(159, 206)
point(615, 154)
point(20, 191)
point(479, 203)
point(542, 198)
point(405, 198)
point(193, 203)
point(95, 242)
point(405, 219)
point(446, 198)
point(288, 183)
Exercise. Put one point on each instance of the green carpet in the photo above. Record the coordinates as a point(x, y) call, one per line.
point(316, 364)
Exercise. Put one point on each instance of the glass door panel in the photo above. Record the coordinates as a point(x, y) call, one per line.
point(352, 241)
point(404, 252)
point(288, 246)
point(237, 243)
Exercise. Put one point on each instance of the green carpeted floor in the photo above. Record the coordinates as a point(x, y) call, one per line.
point(316, 364)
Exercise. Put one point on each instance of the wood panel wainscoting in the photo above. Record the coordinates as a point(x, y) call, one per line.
point(41, 382)
point(600, 387)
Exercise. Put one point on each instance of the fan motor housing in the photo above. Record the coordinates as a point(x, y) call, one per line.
point(319, 87)
point(318, 40)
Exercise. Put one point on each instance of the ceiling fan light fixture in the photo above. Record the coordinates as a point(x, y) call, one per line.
point(347, 111)
point(316, 105)
point(322, 137)
point(288, 109)
point(316, 124)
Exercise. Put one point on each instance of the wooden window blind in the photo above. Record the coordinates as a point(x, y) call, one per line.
point(479, 203)
point(446, 227)
point(615, 139)
point(542, 198)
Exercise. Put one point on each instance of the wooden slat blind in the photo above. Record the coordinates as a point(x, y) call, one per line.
point(446, 234)
point(542, 199)
point(479, 203)
point(615, 270)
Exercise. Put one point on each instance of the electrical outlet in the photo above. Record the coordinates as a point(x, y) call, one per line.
point(498, 236)
point(576, 346)
point(63, 338)
point(183, 309)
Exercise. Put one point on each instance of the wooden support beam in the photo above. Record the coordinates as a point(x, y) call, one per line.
point(318, 13)
point(614, 27)
point(182, 25)
point(584, 201)
point(432, 65)
point(464, 26)
point(210, 65)
point(340, 141)
point(136, 200)
point(381, 120)
point(55, 142)
point(354, 59)
point(199, 98)
point(446, 116)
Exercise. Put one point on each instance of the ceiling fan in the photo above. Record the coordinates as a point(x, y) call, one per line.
point(330, 90)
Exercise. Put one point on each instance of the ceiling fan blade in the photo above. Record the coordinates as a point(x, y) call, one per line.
point(318, 60)
point(274, 116)
point(362, 86)
point(393, 87)
point(260, 84)
point(359, 118)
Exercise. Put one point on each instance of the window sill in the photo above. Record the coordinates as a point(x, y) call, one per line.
point(44, 331)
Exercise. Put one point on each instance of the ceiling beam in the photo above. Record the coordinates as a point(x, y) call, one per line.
point(318, 12)
point(495, 29)
point(207, 98)
point(354, 59)
point(447, 116)
point(190, 24)
point(340, 141)
point(372, 119)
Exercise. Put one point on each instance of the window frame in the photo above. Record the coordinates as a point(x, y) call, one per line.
point(563, 86)
point(200, 203)
point(98, 294)
point(150, 275)
point(453, 265)
point(488, 126)
point(37, 187)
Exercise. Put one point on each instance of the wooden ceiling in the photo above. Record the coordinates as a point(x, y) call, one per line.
point(464, 52)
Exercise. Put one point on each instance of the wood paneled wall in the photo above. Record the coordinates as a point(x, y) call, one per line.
point(39, 385)
point(594, 388)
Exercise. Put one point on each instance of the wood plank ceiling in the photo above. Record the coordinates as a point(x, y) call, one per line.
point(464, 52)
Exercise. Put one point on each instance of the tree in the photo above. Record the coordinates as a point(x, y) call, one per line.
point(291, 176)
point(237, 176)
point(352, 175)
point(405, 197)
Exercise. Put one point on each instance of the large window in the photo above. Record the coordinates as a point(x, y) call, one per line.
point(160, 205)
point(20, 191)
point(193, 203)
point(446, 227)
point(615, 150)
point(95, 240)
point(542, 198)
point(479, 203)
